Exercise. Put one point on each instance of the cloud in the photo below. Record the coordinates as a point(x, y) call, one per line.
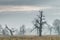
point(30, 2)
point(22, 8)
point(20, 2)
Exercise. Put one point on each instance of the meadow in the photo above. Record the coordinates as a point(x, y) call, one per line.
point(30, 38)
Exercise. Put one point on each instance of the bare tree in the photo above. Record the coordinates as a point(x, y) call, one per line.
point(1, 29)
point(5, 31)
point(50, 28)
point(56, 24)
point(10, 30)
point(39, 22)
point(22, 30)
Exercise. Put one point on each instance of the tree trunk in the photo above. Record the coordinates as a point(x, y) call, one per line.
point(11, 33)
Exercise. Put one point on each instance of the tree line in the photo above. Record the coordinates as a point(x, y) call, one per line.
point(10, 31)
point(38, 24)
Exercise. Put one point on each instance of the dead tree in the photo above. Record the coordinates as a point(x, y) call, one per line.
point(10, 30)
point(1, 29)
point(5, 31)
point(50, 28)
point(39, 22)
point(22, 30)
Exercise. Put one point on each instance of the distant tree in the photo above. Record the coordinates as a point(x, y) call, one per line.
point(22, 30)
point(5, 31)
point(50, 28)
point(1, 29)
point(56, 24)
point(10, 30)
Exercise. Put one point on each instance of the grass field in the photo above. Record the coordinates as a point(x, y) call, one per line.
point(30, 38)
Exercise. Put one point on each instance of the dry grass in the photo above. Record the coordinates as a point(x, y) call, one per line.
point(30, 38)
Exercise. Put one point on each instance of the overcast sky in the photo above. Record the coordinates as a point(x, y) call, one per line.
point(15, 13)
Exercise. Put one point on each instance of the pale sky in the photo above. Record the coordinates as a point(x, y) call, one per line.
point(15, 13)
